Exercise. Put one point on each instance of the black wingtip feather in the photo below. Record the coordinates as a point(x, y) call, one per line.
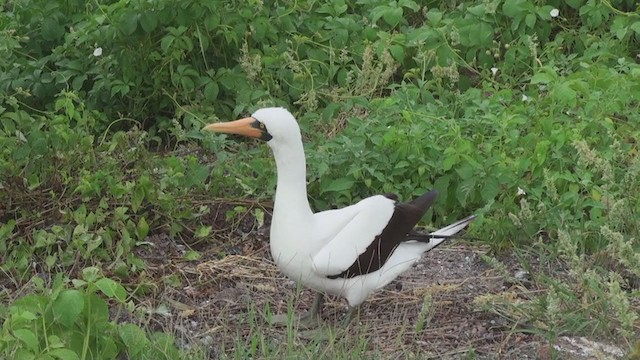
point(425, 201)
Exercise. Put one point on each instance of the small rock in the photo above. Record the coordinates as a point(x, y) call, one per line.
point(583, 348)
point(522, 275)
point(207, 340)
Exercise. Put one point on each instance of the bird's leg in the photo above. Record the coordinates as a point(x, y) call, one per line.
point(309, 318)
point(349, 315)
point(310, 315)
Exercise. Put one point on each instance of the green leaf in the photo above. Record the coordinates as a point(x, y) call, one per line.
point(338, 185)
point(142, 228)
point(211, 90)
point(564, 93)
point(542, 78)
point(202, 232)
point(112, 289)
point(513, 8)
point(434, 16)
point(51, 30)
point(129, 22)
point(392, 16)
point(541, 150)
point(166, 43)
point(99, 310)
point(24, 354)
point(491, 189)
point(530, 20)
point(451, 159)
point(148, 21)
point(136, 199)
point(192, 255)
point(68, 306)
point(64, 354)
point(27, 337)
point(464, 190)
point(620, 26)
point(476, 34)
point(133, 338)
point(576, 4)
point(90, 273)
point(397, 51)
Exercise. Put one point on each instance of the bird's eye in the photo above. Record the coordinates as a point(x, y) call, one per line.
point(262, 126)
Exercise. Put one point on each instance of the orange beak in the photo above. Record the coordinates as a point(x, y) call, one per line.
point(241, 127)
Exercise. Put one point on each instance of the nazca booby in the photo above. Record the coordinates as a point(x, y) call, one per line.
point(349, 252)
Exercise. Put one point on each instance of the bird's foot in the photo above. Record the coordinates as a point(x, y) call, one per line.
point(307, 320)
point(351, 313)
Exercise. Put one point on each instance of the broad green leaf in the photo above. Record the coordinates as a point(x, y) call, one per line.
point(513, 8)
point(148, 21)
point(192, 255)
point(99, 309)
point(202, 232)
point(397, 51)
point(481, 34)
point(211, 90)
point(51, 30)
point(478, 10)
point(212, 21)
point(64, 354)
point(464, 190)
point(27, 337)
point(434, 16)
point(620, 26)
point(68, 306)
point(392, 16)
point(133, 338)
point(136, 199)
point(564, 93)
point(338, 185)
point(23, 354)
point(530, 20)
point(541, 150)
point(542, 78)
point(450, 160)
point(490, 189)
point(166, 42)
point(576, 4)
point(142, 228)
point(129, 22)
point(466, 170)
point(112, 289)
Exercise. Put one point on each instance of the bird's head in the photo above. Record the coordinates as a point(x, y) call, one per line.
point(273, 125)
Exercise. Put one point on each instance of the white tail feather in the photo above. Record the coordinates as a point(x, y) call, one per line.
point(455, 227)
point(448, 231)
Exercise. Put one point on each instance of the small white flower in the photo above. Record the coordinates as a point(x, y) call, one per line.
point(494, 70)
point(554, 12)
point(525, 97)
point(97, 52)
point(521, 192)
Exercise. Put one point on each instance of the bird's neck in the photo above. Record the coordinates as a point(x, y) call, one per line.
point(291, 200)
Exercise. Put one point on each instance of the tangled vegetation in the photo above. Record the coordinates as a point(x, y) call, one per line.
point(526, 113)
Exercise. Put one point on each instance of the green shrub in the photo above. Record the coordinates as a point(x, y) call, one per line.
point(74, 323)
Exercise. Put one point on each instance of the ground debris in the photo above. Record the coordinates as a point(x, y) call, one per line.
point(583, 348)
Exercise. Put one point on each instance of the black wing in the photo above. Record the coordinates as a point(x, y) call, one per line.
point(404, 219)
